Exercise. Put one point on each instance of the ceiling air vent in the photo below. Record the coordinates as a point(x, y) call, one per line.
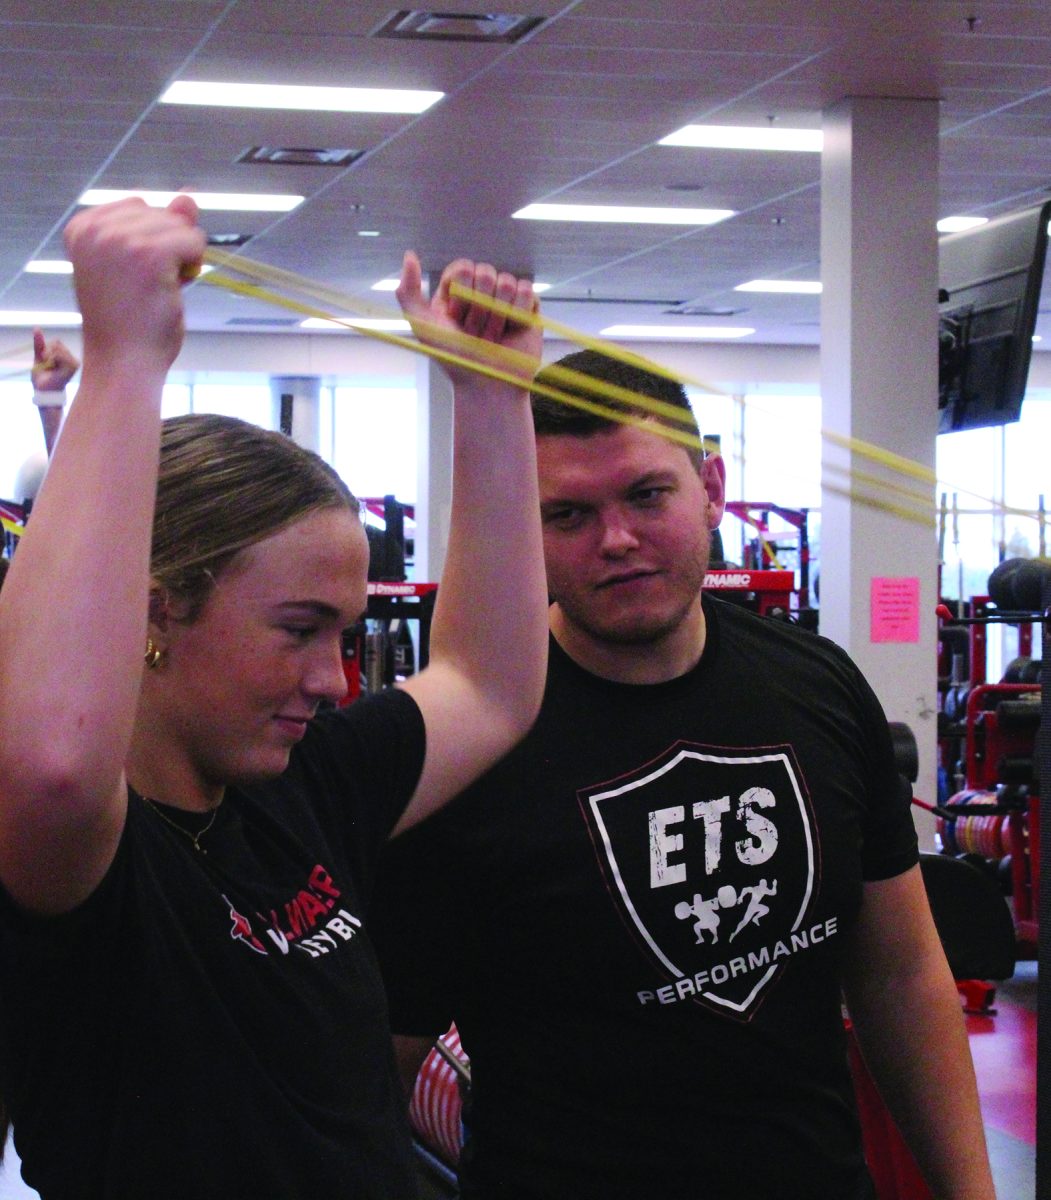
point(266, 322)
point(703, 310)
point(457, 26)
point(298, 156)
point(228, 239)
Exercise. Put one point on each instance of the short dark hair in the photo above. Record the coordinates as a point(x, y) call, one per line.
point(553, 417)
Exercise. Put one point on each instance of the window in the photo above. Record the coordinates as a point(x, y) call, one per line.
point(782, 449)
point(23, 434)
point(997, 476)
point(1027, 477)
point(771, 445)
point(24, 439)
point(719, 417)
point(374, 440)
point(176, 399)
point(967, 465)
point(249, 401)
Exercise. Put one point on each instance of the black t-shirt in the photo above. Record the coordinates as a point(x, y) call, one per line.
point(213, 1025)
point(637, 918)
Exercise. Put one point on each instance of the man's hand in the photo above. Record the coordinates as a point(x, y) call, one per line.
point(445, 313)
point(54, 364)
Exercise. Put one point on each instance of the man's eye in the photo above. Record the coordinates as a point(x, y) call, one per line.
point(302, 632)
point(563, 518)
point(650, 495)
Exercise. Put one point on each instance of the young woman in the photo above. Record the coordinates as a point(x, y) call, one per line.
point(189, 1005)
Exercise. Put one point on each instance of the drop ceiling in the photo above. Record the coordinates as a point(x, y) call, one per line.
point(572, 111)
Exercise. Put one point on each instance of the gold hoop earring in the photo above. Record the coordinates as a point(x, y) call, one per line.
point(154, 653)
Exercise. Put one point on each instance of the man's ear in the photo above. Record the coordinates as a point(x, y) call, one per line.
point(713, 476)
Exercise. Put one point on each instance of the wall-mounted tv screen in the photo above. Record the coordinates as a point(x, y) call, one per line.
point(989, 290)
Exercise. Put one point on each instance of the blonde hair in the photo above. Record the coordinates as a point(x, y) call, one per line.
point(225, 484)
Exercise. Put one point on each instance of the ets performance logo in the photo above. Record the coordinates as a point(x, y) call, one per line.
point(710, 856)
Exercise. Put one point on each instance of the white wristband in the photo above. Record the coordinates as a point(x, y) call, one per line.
point(50, 399)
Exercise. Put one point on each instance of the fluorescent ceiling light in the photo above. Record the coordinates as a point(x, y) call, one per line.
point(368, 233)
point(49, 266)
point(539, 287)
point(44, 319)
point(958, 224)
point(226, 201)
point(746, 137)
point(801, 287)
point(389, 325)
point(677, 333)
point(317, 99)
point(62, 266)
point(627, 214)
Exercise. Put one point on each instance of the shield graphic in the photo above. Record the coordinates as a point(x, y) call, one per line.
point(710, 857)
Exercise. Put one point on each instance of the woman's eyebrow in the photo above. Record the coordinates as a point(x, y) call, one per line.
point(316, 608)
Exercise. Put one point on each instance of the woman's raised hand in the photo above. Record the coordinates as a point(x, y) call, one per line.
point(441, 320)
point(130, 262)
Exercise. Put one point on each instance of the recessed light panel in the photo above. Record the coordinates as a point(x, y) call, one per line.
point(49, 266)
point(678, 333)
point(623, 214)
point(218, 201)
point(287, 96)
point(46, 320)
point(959, 224)
point(383, 324)
point(798, 287)
point(746, 137)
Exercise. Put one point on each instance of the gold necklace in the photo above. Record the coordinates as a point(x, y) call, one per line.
point(194, 837)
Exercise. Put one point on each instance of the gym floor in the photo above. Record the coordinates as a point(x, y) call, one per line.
point(1004, 1050)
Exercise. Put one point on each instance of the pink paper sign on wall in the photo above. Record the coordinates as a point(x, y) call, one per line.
point(895, 609)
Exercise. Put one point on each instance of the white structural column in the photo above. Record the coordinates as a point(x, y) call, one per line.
point(879, 337)
point(434, 469)
point(297, 408)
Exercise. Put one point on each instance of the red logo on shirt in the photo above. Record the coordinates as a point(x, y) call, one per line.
point(304, 922)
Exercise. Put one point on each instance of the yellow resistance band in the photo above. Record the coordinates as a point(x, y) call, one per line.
point(510, 366)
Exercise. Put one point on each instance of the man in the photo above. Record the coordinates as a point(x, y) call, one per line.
point(643, 919)
point(54, 365)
